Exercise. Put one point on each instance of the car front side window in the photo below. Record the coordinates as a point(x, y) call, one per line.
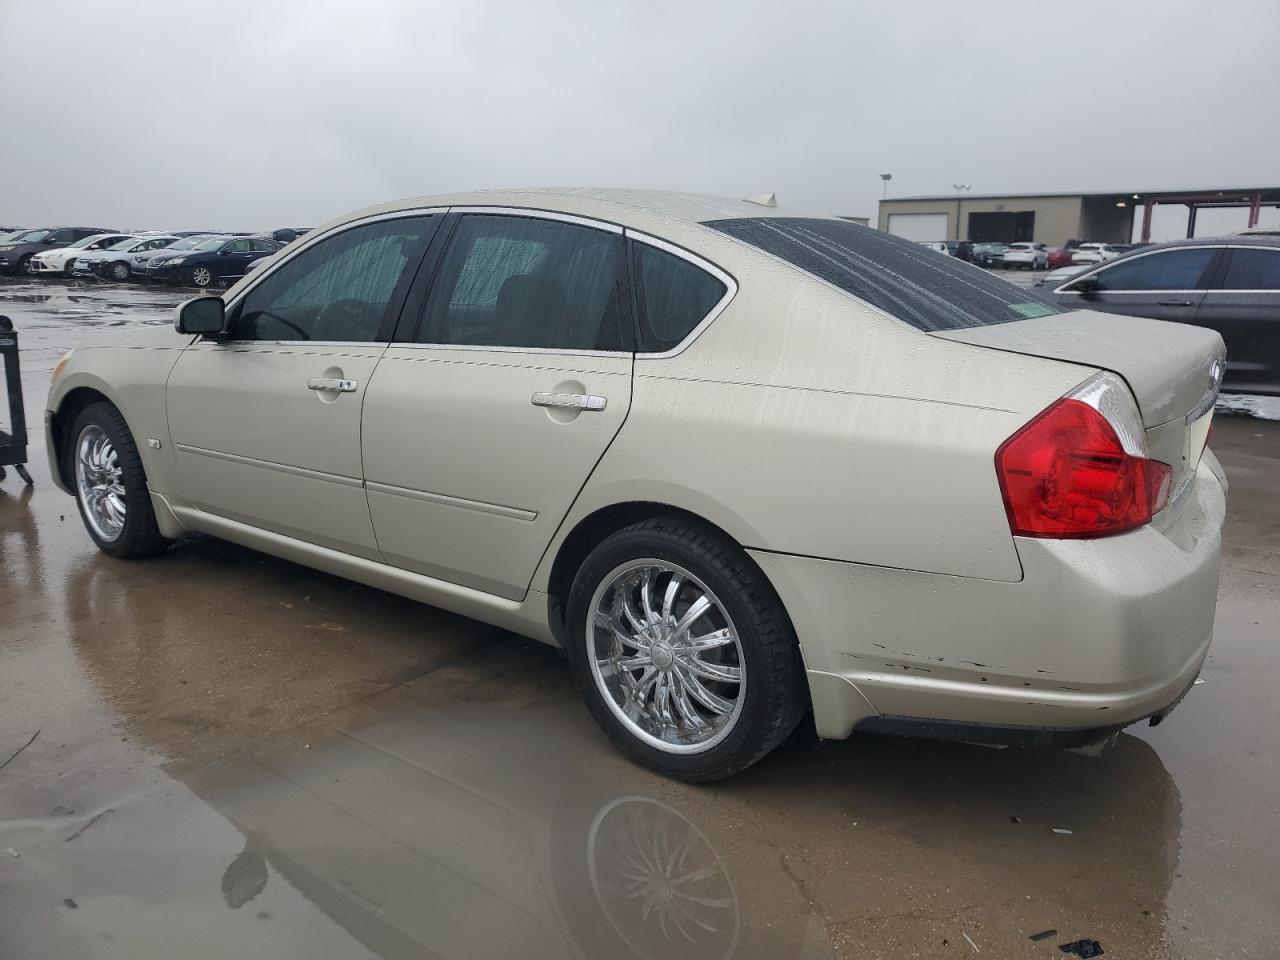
point(339, 289)
point(1167, 270)
point(512, 281)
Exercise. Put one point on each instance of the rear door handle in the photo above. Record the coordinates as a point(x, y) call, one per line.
point(335, 384)
point(1175, 303)
point(569, 401)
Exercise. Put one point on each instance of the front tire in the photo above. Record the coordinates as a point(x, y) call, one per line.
point(119, 271)
point(683, 651)
point(200, 276)
point(106, 472)
point(24, 266)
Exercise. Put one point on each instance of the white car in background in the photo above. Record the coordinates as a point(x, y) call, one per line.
point(61, 259)
point(937, 246)
point(1026, 256)
point(1095, 252)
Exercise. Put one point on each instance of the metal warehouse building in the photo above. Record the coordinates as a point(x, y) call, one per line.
point(1055, 218)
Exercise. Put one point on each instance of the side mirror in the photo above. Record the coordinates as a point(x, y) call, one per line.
point(205, 316)
point(1087, 286)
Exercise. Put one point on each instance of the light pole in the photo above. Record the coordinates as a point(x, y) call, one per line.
point(886, 177)
point(959, 187)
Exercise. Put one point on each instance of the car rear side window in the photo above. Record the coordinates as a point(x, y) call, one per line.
point(340, 289)
point(1167, 270)
point(1253, 269)
point(673, 294)
point(929, 291)
point(511, 281)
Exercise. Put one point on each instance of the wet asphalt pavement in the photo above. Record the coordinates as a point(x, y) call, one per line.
point(234, 756)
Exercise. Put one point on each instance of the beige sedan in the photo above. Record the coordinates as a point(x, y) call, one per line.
point(746, 466)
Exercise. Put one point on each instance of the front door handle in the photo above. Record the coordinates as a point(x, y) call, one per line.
point(1175, 303)
point(569, 401)
point(336, 384)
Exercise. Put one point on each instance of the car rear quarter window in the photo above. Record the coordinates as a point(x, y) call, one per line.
point(1167, 270)
point(673, 295)
point(929, 291)
point(1253, 269)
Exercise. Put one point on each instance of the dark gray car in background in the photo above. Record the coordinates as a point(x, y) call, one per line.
point(1228, 284)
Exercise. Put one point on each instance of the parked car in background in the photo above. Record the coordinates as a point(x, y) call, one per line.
point(960, 249)
point(1058, 257)
point(937, 246)
point(1061, 275)
point(508, 437)
point(989, 254)
point(213, 259)
point(59, 260)
point(1095, 252)
point(15, 256)
point(113, 263)
point(289, 234)
point(185, 241)
point(1026, 256)
point(1229, 284)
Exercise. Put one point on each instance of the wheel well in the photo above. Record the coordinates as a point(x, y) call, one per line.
point(592, 530)
point(60, 423)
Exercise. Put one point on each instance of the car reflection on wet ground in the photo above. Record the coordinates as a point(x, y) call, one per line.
point(238, 757)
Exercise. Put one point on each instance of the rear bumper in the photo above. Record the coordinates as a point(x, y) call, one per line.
point(1097, 635)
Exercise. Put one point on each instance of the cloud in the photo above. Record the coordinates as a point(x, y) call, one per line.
point(249, 115)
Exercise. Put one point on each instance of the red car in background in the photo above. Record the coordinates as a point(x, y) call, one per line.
point(1059, 257)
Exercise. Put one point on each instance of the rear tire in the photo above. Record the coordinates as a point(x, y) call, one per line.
point(703, 728)
point(124, 525)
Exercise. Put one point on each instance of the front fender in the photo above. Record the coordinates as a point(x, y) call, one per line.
point(131, 379)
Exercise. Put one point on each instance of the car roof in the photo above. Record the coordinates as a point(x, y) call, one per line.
point(1232, 240)
point(651, 210)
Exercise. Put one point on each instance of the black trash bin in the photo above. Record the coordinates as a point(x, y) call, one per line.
point(13, 440)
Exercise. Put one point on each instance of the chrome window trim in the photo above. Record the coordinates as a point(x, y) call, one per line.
point(311, 240)
point(537, 214)
point(730, 291)
point(489, 348)
point(1097, 268)
point(376, 346)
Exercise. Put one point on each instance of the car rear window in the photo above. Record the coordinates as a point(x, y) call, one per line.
point(929, 291)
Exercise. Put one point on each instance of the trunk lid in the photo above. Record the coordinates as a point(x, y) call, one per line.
point(1173, 369)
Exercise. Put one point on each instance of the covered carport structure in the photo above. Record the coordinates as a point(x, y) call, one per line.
point(1255, 199)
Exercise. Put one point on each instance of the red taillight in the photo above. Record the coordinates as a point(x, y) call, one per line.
point(1066, 474)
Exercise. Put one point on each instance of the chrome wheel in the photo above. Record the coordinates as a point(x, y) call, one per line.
point(120, 271)
point(100, 482)
point(201, 276)
point(666, 656)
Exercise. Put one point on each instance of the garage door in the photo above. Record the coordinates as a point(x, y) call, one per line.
point(918, 226)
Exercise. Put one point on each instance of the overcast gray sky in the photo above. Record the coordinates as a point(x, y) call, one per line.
point(250, 115)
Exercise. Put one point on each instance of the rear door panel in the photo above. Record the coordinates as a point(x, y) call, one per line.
point(467, 480)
